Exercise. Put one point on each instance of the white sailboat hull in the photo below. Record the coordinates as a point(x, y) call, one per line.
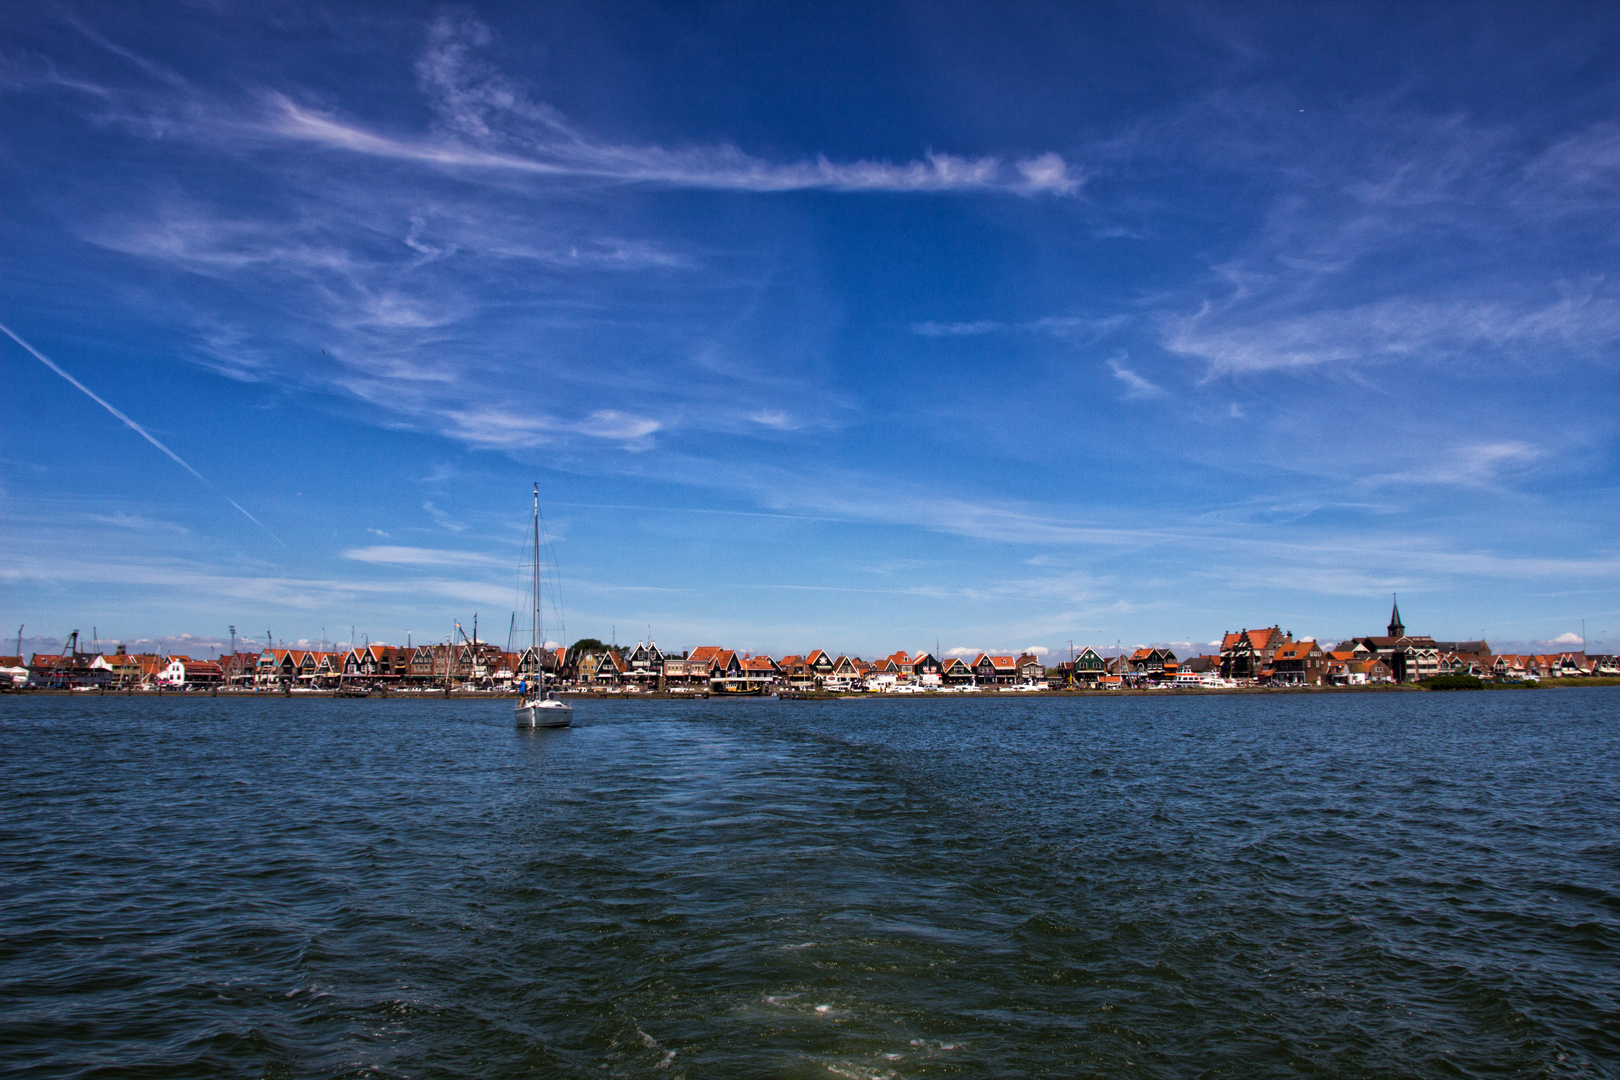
point(544, 714)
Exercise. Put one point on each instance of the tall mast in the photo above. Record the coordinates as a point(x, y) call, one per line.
point(534, 625)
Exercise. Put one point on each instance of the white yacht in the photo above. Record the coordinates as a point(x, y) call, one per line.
point(536, 707)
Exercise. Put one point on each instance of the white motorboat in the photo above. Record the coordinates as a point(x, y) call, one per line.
point(537, 708)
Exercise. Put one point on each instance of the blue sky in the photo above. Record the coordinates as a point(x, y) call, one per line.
point(831, 326)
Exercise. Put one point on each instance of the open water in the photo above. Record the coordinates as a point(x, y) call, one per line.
point(1401, 885)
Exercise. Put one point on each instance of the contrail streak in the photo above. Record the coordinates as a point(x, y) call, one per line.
point(136, 428)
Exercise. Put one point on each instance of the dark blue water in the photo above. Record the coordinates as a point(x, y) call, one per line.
point(1369, 885)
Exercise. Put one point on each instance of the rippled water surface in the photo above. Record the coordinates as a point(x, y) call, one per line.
point(1366, 885)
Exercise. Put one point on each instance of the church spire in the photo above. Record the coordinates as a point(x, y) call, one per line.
point(1395, 628)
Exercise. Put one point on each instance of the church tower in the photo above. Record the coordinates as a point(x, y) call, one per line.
point(1395, 628)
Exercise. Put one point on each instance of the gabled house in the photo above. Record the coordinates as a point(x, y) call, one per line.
point(955, 671)
point(1509, 667)
point(610, 669)
point(1569, 665)
point(184, 673)
point(845, 675)
point(1089, 666)
point(279, 667)
point(645, 664)
point(530, 662)
point(797, 674)
point(328, 668)
point(926, 670)
point(1152, 663)
point(1247, 654)
point(820, 663)
point(122, 669)
point(1460, 663)
point(995, 670)
point(725, 669)
point(1299, 663)
point(698, 669)
point(239, 668)
point(907, 668)
point(429, 664)
point(759, 671)
point(1030, 669)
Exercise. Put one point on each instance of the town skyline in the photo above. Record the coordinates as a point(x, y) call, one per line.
point(1268, 657)
point(185, 643)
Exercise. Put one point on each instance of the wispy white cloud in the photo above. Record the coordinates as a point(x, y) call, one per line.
point(1058, 326)
point(503, 427)
point(957, 329)
point(384, 555)
point(1473, 465)
point(442, 519)
point(381, 281)
point(486, 121)
point(720, 167)
point(1135, 385)
point(137, 522)
point(204, 585)
point(1442, 242)
point(773, 418)
point(1237, 338)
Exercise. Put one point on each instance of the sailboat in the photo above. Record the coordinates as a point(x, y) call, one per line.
point(536, 708)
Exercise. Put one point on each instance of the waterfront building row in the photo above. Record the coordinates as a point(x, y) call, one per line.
point(1267, 656)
